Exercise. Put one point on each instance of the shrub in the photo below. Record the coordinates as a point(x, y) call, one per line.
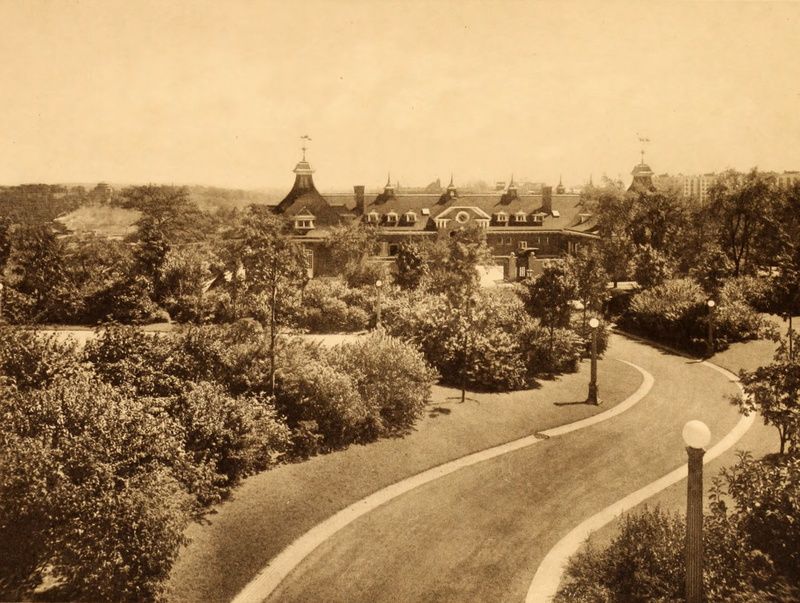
point(673, 312)
point(126, 301)
point(127, 357)
point(550, 351)
point(582, 329)
point(30, 359)
point(651, 267)
point(391, 376)
point(317, 398)
point(235, 436)
point(749, 290)
point(89, 491)
point(643, 563)
point(330, 305)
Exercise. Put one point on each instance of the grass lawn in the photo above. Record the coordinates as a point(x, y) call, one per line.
point(270, 510)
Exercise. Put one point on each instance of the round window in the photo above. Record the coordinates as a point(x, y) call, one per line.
point(462, 217)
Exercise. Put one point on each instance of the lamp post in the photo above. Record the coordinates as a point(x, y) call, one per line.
point(378, 285)
point(592, 399)
point(697, 436)
point(710, 341)
point(1, 302)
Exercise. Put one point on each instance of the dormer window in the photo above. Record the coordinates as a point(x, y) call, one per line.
point(373, 217)
point(520, 216)
point(391, 217)
point(304, 221)
point(501, 217)
point(537, 218)
point(442, 222)
point(410, 217)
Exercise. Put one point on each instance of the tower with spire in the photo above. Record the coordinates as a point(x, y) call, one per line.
point(560, 188)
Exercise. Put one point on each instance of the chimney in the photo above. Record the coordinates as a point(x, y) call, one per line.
point(358, 193)
point(547, 199)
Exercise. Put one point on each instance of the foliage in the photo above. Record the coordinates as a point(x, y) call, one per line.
point(591, 280)
point(129, 358)
point(550, 351)
point(126, 301)
point(644, 562)
point(40, 270)
point(740, 205)
point(671, 312)
point(167, 210)
point(391, 376)
point(237, 436)
point(773, 391)
point(411, 265)
point(711, 268)
point(651, 267)
point(94, 498)
point(330, 306)
point(29, 359)
point(186, 274)
point(549, 294)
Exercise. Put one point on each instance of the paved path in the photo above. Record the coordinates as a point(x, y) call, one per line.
point(479, 534)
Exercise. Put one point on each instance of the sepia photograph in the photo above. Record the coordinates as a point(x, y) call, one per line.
point(386, 301)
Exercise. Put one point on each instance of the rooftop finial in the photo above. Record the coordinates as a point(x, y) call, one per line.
point(451, 185)
point(388, 179)
point(644, 141)
point(305, 138)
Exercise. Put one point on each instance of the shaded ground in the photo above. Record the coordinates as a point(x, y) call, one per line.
point(272, 509)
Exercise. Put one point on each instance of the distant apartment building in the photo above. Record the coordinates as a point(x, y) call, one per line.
point(787, 179)
point(697, 186)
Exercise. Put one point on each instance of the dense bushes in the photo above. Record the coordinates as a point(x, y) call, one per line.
point(109, 453)
point(676, 313)
point(355, 392)
point(505, 348)
point(750, 540)
point(329, 305)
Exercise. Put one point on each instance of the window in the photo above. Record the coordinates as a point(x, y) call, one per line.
point(304, 223)
point(373, 217)
point(442, 222)
point(522, 244)
point(556, 213)
point(537, 218)
point(522, 271)
point(462, 217)
point(520, 216)
point(391, 218)
point(410, 217)
point(394, 248)
point(501, 217)
point(308, 256)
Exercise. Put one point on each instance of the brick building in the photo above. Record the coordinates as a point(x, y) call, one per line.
point(522, 229)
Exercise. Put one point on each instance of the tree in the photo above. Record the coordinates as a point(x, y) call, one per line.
point(711, 267)
point(549, 295)
point(658, 219)
point(411, 265)
point(5, 243)
point(41, 271)
point(351, 246)
point(274, 270)
point(652, 267)
point(741, 205)
point(167, 209)
point(774, 392)
point(591, 281)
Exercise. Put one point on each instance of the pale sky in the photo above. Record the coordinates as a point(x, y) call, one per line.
point(219, 93)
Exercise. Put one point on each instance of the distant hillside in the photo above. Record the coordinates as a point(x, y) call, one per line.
point(104, 220)
point(209, 198)
point(38, 203)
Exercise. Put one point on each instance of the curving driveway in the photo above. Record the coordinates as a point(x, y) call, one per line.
point(480, 533)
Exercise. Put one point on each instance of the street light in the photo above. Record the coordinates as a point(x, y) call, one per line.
point(710, 341)
point(1, 302)
point(378, 285)
point(593, 399)
point(697, 436)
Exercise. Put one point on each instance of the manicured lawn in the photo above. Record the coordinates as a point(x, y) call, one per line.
point(272, 509)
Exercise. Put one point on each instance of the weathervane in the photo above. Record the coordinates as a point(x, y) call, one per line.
point(305, 137)
point(644, 141)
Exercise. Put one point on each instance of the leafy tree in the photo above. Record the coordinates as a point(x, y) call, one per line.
point(591, 281)
point(411, 265)
point(549, 295)
point(741, 205)
point(350, 247)
point(5, 243)
point(150, 252)
point(89, 492)
point(652, 267)
point(659, 219)
point(29, 359)
point(41, 271)
point(711, 267)
point(774, 392)
point(459, 280)
point(168, 210)
point(616, 252)
point(274, 271)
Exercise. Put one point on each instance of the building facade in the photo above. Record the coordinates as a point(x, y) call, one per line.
point(522, 230)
